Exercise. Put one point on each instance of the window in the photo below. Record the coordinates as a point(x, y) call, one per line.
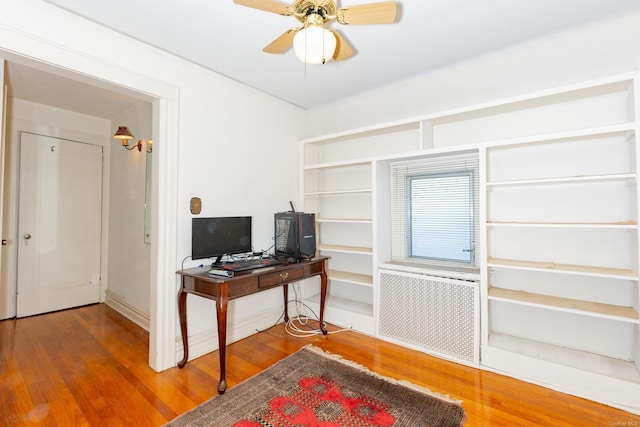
point(440, 202)
point(435, 210)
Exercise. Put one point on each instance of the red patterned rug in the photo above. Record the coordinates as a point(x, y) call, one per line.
point(311, 388)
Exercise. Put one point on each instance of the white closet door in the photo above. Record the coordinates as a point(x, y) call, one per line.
point(59, 228)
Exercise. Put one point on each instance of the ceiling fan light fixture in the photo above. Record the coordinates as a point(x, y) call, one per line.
point(314, 44)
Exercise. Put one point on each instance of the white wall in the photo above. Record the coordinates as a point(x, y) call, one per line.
point(230, 145)
point(129, 262)
point(588, 52)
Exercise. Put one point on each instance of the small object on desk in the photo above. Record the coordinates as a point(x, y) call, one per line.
point(218, 272)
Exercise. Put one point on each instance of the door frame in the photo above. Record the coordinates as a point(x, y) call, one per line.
point(6, 305)
point(164, 98)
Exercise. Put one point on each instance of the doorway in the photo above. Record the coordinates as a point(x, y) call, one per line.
point(163, 99)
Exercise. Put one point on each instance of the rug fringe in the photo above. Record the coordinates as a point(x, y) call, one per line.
point(366, 370)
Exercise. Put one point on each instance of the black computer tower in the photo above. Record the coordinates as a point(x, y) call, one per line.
point(295, 235)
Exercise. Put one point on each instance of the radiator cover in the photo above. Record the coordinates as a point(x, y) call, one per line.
point(437, 314)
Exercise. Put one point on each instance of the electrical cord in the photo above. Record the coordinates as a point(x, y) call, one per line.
point(185, 258)
point(282, 316)
point(298, 325)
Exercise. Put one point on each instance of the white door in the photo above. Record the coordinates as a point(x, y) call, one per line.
point(59, 224)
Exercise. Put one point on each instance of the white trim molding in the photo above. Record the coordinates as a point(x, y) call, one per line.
point(131, 312)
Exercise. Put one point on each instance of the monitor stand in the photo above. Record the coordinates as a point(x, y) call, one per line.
point(218, 262)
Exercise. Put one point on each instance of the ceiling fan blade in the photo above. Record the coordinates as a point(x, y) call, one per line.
point(267, 5)
point(372, 13)
point(343, 49)
point(282, 43)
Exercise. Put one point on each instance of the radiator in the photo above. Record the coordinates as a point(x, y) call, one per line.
point(436, 314)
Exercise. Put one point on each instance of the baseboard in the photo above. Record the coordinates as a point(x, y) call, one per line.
point(135, 314)
point(207, 341)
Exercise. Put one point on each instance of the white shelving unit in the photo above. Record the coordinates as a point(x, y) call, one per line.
point(562, 250)
point(559, 229)
point(339, 185)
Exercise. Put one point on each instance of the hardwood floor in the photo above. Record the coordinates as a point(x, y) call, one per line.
point(88, 367)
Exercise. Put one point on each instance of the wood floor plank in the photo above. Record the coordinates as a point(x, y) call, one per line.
point(54, 404)
point(15, 401)
point(89, 366)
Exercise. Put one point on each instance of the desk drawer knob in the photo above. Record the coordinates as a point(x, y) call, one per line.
point(284, 275)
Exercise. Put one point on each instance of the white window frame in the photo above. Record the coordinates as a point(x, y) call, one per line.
point(402, 174)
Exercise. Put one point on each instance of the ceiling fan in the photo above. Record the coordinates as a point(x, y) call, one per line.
point(313, 43)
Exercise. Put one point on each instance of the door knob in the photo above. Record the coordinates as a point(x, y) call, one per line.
point(27, 236)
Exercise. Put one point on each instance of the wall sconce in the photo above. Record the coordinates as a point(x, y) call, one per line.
point(124, 135)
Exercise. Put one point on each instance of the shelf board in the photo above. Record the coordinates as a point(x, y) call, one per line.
point(383, 129)
point(346, 276)
point(346, 220)
point(333, 192)
point(338, 164)
point(617, 273)
point(559, 136)
point(596, 225)
point(600, 364)
point(615, 312)
point(564, 180)
point(345, 304)
point(348, 249)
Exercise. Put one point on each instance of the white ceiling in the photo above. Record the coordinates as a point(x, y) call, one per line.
point(429, 34)
point(48, 88)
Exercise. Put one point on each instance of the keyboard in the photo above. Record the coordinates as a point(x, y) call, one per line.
point(250, 264)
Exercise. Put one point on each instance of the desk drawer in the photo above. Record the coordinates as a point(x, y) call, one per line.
point(280, 277)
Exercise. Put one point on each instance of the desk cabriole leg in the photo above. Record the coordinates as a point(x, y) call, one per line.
point(323, 295)
point(182, 311)
point(285, 290)
point(221, 310)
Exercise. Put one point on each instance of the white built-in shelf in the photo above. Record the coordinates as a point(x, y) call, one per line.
point(345, 304)
point(384, 129)
point(586, 270)
point(346, 276)
point(346, 249)
point(335, 192)
point(337, 164)
point(598, 225)
point(615, 312)
point(560, 123)
point(346, 220)
point(600, 364)
point(564, 180)
point(555, 137)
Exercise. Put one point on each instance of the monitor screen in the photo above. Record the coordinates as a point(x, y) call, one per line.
point(216, 237)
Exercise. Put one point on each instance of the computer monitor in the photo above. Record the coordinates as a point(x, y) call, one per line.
point(220, 236)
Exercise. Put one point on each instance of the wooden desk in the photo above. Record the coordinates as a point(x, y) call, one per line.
point(197, 281)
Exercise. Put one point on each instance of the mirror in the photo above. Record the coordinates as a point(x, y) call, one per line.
point(147, 193)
